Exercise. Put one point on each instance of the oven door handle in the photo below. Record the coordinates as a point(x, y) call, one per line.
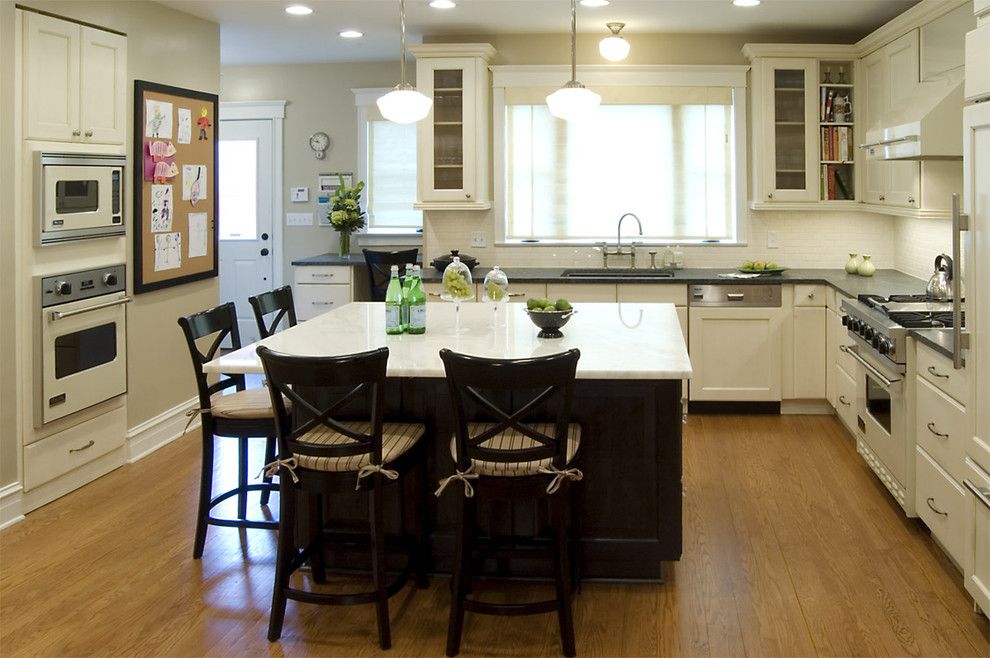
point(59, 315)
point(854, 353)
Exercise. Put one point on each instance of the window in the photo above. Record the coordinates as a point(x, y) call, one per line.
point(670, 155)
point(387, 163)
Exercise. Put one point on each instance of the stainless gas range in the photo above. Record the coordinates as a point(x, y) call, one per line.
point(878, 327)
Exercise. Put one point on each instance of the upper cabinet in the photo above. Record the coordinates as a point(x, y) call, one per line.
point(75, 80)
point(452, 142)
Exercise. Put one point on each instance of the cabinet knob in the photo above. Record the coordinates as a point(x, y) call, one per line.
point(770, 196)
point(811, 295)
point(89, 133)
point(75, 133)
point(883, 198)
point(911, 200)
point(467, 196)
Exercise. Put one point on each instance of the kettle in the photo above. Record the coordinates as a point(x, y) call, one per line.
point(939, 285)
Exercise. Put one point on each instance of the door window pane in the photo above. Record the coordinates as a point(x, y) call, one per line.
point(238, 179)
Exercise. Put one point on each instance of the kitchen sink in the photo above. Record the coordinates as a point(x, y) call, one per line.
point(601, 273)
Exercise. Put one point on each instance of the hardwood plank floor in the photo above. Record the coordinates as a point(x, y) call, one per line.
point(791, 548)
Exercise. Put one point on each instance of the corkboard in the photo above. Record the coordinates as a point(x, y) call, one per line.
point(175, 186)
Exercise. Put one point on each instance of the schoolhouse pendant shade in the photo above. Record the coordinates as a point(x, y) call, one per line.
point(614, 48)
point(404, 104)
point(573, 100)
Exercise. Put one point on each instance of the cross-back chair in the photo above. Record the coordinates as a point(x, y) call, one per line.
point(279, 302)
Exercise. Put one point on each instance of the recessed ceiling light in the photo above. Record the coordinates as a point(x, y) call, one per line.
point(443, 4)
point(594, 3)
point(351, 34)
point(745, 3)
point(298, 10)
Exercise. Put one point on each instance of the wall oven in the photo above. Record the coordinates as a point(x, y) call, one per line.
point(82, 355)
point(79, 196)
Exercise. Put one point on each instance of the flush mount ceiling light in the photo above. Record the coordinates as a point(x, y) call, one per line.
point(298, 10)
point(443, 4)
point(404, 104)
point(351, 34)
point(745, 3)
point(594, 3)
point(614, 48)
point(573, 100)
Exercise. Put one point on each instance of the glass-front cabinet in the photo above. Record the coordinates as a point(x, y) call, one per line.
point(788, 105)
point(453, 140)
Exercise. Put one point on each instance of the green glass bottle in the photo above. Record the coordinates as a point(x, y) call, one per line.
point(393, 303)
point(417, 303)
point(406, 284)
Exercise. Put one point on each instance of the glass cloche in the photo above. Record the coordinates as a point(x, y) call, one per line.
point(496, 288)
point(457, 285)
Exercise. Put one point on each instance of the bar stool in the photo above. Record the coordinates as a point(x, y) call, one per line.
point(380, 266)
point(511, 459)
point(279, 302)
point(323, 451)
point(243, 414)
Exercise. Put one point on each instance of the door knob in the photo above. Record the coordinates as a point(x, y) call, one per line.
point(264, 252)
point(264, 236)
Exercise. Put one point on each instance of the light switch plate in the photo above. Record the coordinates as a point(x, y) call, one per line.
point(298, 219)
point(300, 194)
point(478, 239)
point(773, 240)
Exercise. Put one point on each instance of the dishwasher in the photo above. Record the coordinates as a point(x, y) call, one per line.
point(736, 340)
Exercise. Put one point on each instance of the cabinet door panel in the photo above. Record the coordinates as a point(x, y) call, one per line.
point(581, 292)
point(51, 78)
point(103, 114)
point(735, 354)
point(791, 109)
point(875, 101)
point(809, 353)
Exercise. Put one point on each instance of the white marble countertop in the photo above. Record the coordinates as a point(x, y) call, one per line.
point(617, 341)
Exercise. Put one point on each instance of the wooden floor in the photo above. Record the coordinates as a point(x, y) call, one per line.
point(791, 547)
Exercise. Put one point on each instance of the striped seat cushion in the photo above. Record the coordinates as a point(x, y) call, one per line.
point(511, 439)
point(397, 440)
point(252, 403)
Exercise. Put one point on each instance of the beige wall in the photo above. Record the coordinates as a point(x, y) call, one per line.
point(8, 351)
point(319, 99)
point(173, 48)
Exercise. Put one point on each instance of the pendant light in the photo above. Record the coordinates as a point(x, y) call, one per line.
point(614, 48)
point(404, 104)
point(573, 100)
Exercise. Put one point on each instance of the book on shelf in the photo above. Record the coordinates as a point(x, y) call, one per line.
point(836, 143)
point(835, 183)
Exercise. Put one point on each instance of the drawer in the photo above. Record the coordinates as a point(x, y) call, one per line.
point(659, 293)
point(61, 453)
point(940, 503)
point(581, 292)
point(938, 370)
point(942, 428)
point(520, 292)
point(976, 537)
point(809, 294)
point(313, 299)
point(323, 274)
point(845, 398)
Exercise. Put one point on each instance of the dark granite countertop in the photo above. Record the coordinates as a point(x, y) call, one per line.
point(939, 340)
point(354, 260)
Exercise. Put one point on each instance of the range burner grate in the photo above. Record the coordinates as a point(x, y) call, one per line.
point(940, 320)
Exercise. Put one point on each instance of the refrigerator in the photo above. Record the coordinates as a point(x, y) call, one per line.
point(971, 229)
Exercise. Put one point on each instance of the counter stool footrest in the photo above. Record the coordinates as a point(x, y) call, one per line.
point(242, 523)
point(245, 490)
point(511, 609)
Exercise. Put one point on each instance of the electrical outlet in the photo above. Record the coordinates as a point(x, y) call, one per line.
point(298, 219)
point(773, 240)
point(478, 239)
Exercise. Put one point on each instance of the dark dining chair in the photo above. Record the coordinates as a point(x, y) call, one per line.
point(277, 302)
point(334, 441)
point(524, 451)
point(380, 268)
point(241, 414)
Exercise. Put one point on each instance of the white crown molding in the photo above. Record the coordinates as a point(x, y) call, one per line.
point(483, 50)
point(817, 51)
point(244, 110)
point(922, 13)
point(154, 433)
point(606, 75)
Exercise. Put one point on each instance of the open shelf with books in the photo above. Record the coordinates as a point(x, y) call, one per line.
point(837, 129)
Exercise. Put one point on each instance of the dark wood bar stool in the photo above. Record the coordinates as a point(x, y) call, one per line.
point(323, 451)
point(243, 414)
point(380, 268)
point(279, 302)
point(512, 459)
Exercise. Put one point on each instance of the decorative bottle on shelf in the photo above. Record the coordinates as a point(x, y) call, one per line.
point(852, 267)
point(866, 268)
point(416, 301)
point(393, 303)
point(404, 308)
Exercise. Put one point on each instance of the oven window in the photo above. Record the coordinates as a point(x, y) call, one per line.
point(85, 349)
point(72, 196)
point(878, 403)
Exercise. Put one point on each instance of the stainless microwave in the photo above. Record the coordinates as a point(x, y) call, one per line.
point(79, 196)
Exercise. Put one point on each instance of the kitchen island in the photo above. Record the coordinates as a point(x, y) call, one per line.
point(627, 399)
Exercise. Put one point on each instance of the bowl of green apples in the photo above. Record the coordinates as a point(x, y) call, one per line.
point(549, 316)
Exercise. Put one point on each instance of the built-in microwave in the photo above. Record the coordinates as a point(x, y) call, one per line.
point(79, 196)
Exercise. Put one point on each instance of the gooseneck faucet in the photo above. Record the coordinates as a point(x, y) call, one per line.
point(618, 238)
point(618, 243)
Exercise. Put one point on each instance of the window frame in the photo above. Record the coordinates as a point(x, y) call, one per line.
point(732, 77)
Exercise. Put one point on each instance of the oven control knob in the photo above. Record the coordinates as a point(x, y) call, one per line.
point(845, 320)
point(885, 346)
point(110, 279)
point(868, 333)
point(875, 342)
point(853, 324)
point(63, 288)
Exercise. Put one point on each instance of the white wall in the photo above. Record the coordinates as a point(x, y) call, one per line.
point(918, 241)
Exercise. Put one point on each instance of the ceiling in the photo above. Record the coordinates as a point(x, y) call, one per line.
point(260, 32)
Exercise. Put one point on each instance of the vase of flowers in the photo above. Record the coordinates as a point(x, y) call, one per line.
point(345, 214)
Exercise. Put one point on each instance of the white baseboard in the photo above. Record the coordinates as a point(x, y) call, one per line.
point(152, 434)
point(10, 505)
point(805, 408)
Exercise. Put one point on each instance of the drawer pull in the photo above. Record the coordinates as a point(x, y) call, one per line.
point(517, 294)
point(843, 400)
point(85, 447)
point(936, 373)
point(811, 295)
point(982, 495)
point(935, 509)
point(931, 428)
point(322, 303)
point(317, 275)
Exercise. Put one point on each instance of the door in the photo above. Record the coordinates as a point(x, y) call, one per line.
point(103, 71)
point(51, 78)
point(875, 79)
point(246, 210)
point(791, 106)
point(903, 70)
point(447, 150)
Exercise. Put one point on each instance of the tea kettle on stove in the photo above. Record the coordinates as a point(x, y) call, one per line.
point(940, 284)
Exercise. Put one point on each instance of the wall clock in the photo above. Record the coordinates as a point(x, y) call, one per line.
point(320, 142)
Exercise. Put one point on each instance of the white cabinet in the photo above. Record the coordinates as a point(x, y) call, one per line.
point(806, 358)
point(319, 289)
point(75, 80)
point(452, 143)
point(939, 501)
point(581, 292)
point(976, 535)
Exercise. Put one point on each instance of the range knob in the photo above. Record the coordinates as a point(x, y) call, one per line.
point(868, 333)
point(845, 320)
point(884, 346)
point(63, 288)
point(853, 324)
point(875, 342)
point(110, 279)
